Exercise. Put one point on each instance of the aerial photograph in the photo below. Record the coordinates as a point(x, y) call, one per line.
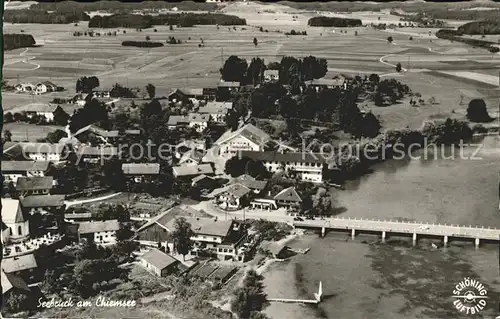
point(250, 159)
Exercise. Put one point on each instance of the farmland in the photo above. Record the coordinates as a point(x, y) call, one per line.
point(62, 57)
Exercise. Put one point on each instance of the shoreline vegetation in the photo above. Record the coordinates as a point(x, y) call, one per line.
point(456, 35)
point(323, 21)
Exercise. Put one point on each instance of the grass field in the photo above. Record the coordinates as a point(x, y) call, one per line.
point(22, 132)
point(63, 58)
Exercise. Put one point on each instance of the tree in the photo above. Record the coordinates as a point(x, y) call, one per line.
point(148, 38)
point(171, 27)
point(235, 166)
point(60, 117)
point(255, 42)
point(86, 84)
point(398, 67)
point(477, 111)
point(182, 237)
point(255, 71)
point(7, 136)
point(374, 78)
point(234, 69)
point(390, 39)
point(411, 38)
point(250, 298)
point(8, 117)
point(55, 137)
point(150, 88)
point(355, 33)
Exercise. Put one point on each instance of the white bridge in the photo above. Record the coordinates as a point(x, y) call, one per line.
point(387, 227)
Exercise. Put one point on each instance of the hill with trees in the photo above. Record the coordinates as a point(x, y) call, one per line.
point(480, 27)
point(44, 17)
point(323, 21)
point(16, 41)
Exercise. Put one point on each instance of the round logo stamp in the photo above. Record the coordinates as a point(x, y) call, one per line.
point(470, 296)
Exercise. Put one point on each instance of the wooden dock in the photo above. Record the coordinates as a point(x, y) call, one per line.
point(305, 301)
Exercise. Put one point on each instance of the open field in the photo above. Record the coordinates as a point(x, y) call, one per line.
point(22, 132)
point(63, 58)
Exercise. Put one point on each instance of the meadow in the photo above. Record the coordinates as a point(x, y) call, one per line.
point(62, 57)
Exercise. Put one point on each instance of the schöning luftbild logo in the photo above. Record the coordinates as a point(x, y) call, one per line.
point(470, 296)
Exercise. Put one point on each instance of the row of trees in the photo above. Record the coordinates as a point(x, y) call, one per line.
point(323, 21)
point(44, 17)
point(142, 44)
point(60, 118)
point(250, 299)
point(179, 19)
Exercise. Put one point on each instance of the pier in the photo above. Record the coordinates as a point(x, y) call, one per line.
point(412, 229)
point(317, 298)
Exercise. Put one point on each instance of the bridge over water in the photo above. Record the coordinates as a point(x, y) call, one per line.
point(413, 229)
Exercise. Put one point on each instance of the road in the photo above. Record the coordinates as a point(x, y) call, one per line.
point(274, 215)
point(90, 200)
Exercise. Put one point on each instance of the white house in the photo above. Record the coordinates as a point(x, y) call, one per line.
point(45, 87)
point(42, 109)
point(25, 87)
point(12, 170)
point(191, 157)
point(271, 76)
point(100, 232)
point(323, 83)
point(159, 263)
point(217, 115)
point(198, 121)
point(308, 166)
point(17, 224)
point(232, 197)
point(138, 171)
point(42, 151)
point(246, 138)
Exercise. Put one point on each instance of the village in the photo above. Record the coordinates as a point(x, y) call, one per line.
point(234, 181)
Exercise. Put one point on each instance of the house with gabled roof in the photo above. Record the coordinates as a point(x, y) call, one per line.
point(191, 157)
point(14, 219)
point(46, 110)
point(288, 198)
point(12, 284)
point(34, 151)
point(175, 121)
point(184, 94)
point(271, 76)
point(37, 185)
point(198, 121)
point(25, 87)
point(139, 172)
point(189, 171)
point(99, 232)
point(19, 264)
point(231, 197)
point(45, 87)
point(246, 138)
point(12, 170)
point(317, 84)
point(42, 204)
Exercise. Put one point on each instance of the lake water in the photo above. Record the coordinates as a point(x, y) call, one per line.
point(366, 279)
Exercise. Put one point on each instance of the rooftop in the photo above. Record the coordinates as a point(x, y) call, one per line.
point(193, 170)
point(140, 168)
point(249, 131)
point(42, 201)
point(97, 151)
point(288, 194)
point(34, 183)
point(195, 155)
point(159, 259)
point(220, 105)
point(99, 226)
point(177, 119)
point(228, 84)
point(41, 148)
point(19, 263)
point(188, 91)
point(24, 166)
point(271, 72)
point(163, 218)
point(10, 281)
point(196, 117)
point(328, 82)
point(286, 157)
point(205, 226)
point(37, 107)
point(250, 182)
point(11, 211)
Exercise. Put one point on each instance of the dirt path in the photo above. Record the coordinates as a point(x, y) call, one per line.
point(90, 200)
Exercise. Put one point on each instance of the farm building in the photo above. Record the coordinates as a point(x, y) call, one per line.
point(19, 264)
point(34, 185)
point(189, 171)
point(198, 121)
point(246, 138)
point(159, 263)
point(45, 87)
point(12, 170)
point(46, 110)
point(42, 204)
point(139, 172)
point(99, 232)
point(271, 76)
point(25, 87)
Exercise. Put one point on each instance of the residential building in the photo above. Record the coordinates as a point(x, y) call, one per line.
point(159, 263)
point(36, 151)
point(25, 87)
point(80, 98)
point(229, 86)
point(221, 238)
point(14, 219)
point(189, 145)
point(288, 198)
point(209, 94)
point(175, 121)
point(139, 172)
point(191, 157)
point(232, 197)
point(45, 87)
point(12, 284)
point(255, 185)
point(34, 185)
point(204, 182)
point(185, 94)
point(19, 264)
point(263, 203)
point(216, 110)
point(323, 83)
point(246, 138)
point(12, 170)
point(78, 217)
point(91, 129)
point(189, 171)
point(306, 166)
point(198, 121)
point(93, 154)
point(43, 204)
point(45, 110)
point(271, 76)
point(99, 232)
